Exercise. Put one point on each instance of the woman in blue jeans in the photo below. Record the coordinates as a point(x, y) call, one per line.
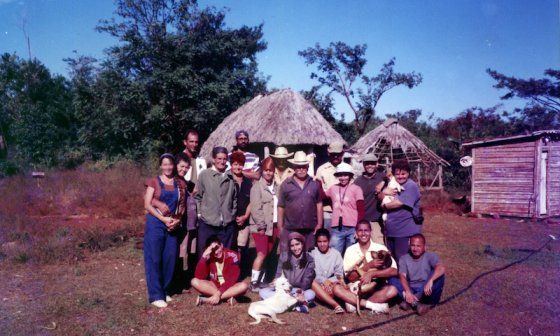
point(160, 231)
point(348, 208)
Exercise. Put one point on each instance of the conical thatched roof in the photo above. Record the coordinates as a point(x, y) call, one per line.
point(395, 142)
point(283, 118)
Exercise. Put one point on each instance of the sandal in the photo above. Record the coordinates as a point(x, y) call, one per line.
point(338, 310)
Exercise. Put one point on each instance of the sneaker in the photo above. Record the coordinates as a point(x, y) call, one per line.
point(404, 305)
point(168, 298)
point(231, 301)
point(159, 303)
point(302, 309)
point(422, 309)
point(350, 308)
point(199, 301)
point(255, 286)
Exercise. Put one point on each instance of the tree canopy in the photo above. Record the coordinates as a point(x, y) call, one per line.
point(341, 68)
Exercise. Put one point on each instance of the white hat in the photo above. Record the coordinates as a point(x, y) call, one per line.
point(300, 159)
point(281, 153)
point(343, 168)
point(336, 147)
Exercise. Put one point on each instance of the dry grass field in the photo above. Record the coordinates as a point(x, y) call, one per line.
point(69, 265)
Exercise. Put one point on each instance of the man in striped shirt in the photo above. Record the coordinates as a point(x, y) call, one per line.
point(251, 167)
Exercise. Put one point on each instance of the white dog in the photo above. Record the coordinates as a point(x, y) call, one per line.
point(277, 304)
point(393, 184)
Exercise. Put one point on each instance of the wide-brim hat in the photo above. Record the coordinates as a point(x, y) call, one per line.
point(335, 147)
point(343, 168)
point(370, 157)
point(300, 159)
point(281, 153)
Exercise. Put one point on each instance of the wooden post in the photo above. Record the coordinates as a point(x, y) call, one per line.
point(418, 175)
point(440, 177)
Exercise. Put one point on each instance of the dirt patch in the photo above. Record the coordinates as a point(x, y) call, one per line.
point(105, 293)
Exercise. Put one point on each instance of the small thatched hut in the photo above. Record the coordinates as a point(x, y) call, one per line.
point(282, 118)
point(390, 141)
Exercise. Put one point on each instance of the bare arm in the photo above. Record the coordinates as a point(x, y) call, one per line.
point(408, 295)
point(280, 218)
point(439, 270)
point(319, 216)
point(153, 211)
point(394, 204)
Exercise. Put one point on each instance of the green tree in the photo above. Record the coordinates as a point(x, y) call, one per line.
point(176, 67)
point(341, 68)
point(543, 108)
point(36, 119)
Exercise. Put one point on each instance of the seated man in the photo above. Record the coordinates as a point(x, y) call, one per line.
point(421, 276)
point(216, 274)
point(369, 286)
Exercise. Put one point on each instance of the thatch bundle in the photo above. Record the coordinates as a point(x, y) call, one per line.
point(392, 141)
point(282, 118)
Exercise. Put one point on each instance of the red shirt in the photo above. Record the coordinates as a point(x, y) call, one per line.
point(206, 270)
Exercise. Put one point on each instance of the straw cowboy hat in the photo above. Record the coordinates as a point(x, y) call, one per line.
point(300, 159)
point(336, 147)
point(281, 153)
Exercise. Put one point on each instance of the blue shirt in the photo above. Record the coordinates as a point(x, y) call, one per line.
point(400, 222)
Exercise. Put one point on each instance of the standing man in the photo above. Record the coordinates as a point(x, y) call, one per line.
point(251, 167)
point(325, 175)
point(216, 200)
point(421, 277)
point(371, 183)
point(299, 204)
point(198, 164)
point(282, 171)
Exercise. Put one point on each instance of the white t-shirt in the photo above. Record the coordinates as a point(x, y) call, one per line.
point(275, 213)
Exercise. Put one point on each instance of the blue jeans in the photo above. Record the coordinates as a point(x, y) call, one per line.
point(160, 255)
point(343, 238)
point(267, 292)
point(418, 290)
point(398, 246)
point(205, 231)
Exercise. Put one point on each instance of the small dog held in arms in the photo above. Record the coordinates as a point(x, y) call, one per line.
point(277, 304)
point(391, 184)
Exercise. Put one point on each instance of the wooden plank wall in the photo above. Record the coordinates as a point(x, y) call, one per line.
point(553, 179)
point(503, 179)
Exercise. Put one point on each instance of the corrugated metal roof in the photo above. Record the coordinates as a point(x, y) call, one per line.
point(535, 134)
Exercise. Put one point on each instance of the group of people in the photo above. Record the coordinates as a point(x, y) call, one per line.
point(333, 245)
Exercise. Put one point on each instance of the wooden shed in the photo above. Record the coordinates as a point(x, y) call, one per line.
point(517, 176)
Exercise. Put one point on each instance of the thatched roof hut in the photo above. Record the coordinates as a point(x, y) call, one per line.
point(282, 118)
point(391, 141)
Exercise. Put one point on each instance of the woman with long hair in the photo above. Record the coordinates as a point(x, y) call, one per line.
point(160, 231)
point(298, 267)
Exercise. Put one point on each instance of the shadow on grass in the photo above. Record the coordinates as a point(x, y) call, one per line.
point(454, 296)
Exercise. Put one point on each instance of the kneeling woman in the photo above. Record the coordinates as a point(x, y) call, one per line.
point(329, 269)
point(216, 274)
point(299, 268)
point(160, 232)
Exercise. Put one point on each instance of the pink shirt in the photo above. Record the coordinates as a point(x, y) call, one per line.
point(350, 195)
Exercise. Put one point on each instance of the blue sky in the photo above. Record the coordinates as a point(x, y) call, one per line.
point(451, 43)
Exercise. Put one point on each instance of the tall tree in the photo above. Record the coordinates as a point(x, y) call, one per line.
point(341, 68)
point(176, 67)
point(36, 119)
